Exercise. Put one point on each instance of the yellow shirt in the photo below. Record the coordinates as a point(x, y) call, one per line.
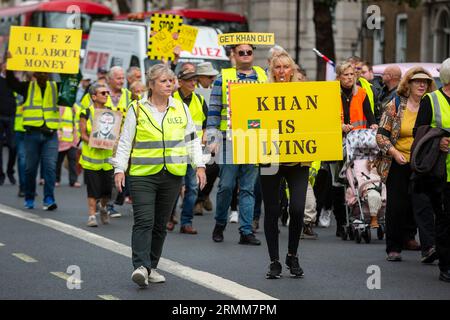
point(406, 138)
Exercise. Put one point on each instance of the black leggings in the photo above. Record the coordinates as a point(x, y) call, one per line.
point(297, 180)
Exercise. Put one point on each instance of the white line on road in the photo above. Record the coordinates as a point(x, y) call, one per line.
point(24, 257)
point(1, 244)
point(108, 297)
point(66, 276)
point(202, 278)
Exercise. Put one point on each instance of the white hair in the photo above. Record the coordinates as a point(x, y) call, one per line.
point(114, 70)
point(444, 72)
point(276, 49)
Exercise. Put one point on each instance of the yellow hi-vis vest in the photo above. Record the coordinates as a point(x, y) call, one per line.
point(93, 158)
point(86, 101)
point(123, 104)
point(77, 111)
point(38, 109)
point(368, 87)
point(313, 170)
point(18, 119)
point(157, 147)
point(230, 75)
point(441, 117)
point(66, 124)
point(196, 110)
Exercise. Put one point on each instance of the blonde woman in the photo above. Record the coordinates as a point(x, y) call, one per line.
point(158, 137)
point(282, 69)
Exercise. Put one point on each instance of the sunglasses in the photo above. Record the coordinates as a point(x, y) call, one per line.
point(104, 93)
point(243, 53)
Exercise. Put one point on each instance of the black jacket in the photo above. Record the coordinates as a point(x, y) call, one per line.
point(7, 99)
point(428, 162)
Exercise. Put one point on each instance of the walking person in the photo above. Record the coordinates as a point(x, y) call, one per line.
point(41, 122)
point(220, 143)
point(98, 172)
point(434, 110)
point(282, 69)
point(7, 112)
point(157, 138)
point(67, 147)
point(395, 137)
point(187, 81)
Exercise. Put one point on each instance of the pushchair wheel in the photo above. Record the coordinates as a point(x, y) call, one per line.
point(351, 234)
point(380, 232)
point(357, 235)
point(367, 235)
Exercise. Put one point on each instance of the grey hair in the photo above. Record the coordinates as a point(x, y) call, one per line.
point(131, 70)
point(157, 71)
point(444, 72)
point(114, 70)
point(94, 88)
point(276, 49)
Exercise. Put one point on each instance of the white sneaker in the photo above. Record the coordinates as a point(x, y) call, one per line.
point(325, 218)
point(140, 277)
point(155, 277)
point(92, 221)
point(234, 217)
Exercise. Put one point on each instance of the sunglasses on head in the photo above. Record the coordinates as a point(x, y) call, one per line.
point(104, 93)
point(243, 53)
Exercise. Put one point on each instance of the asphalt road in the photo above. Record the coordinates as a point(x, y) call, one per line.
point(195, 267)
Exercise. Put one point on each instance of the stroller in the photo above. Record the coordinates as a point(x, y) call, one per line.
point(365, 193)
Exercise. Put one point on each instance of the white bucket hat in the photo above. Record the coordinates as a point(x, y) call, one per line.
point(206, 69)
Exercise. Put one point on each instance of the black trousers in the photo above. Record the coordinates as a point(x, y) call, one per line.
point(7, 138)
point(153, 200)
point(400, 223)
point(72, 158)
point(297, 180)
point(322, 191)
point(424, 216)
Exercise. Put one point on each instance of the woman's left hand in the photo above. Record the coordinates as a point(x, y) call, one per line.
point(201, 177)
point(444, 144)
point(374, 126)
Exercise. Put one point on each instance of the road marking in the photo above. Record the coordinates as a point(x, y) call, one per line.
point(24, 257)
point(66, 276)
point(202, 278)
point(108, 297)
point(1, 244)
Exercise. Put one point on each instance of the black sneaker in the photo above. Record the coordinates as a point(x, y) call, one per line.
point(249, 239)
point(11, 178)
point(274, 270)
point(339, 231)
point(294, 267)
point(217, 234)
point(429, 256)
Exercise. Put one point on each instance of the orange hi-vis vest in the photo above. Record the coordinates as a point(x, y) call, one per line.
point(357, 118)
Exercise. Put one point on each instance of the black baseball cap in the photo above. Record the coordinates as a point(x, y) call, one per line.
point(102, 70)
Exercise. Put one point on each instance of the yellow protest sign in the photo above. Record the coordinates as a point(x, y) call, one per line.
point(246, 38)
point(161, 46)
point(44, 49)
point(187, 37)
point(286, 122)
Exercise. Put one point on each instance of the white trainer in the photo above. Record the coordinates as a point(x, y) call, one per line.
point(155, 277)
point(325, 218)
point(234, 217)
point(140, 276)
point(92, 221)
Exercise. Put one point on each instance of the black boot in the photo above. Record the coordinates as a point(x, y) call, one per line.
point(217, 234)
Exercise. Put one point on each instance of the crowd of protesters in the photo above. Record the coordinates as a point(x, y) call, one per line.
point(167, 128)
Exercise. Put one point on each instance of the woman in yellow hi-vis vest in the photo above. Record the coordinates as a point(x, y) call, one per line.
point(95, 162)
point(157, 140)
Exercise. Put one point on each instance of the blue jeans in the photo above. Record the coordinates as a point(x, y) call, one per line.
point(190, 196)
point(40, 148)
point(21, 159)
point(247, 174)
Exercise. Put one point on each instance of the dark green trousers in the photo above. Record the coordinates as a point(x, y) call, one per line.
point(153, 200)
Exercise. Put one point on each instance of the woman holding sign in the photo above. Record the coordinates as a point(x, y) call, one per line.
point(158, 137)
point(97, 171)
point(282, 69)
